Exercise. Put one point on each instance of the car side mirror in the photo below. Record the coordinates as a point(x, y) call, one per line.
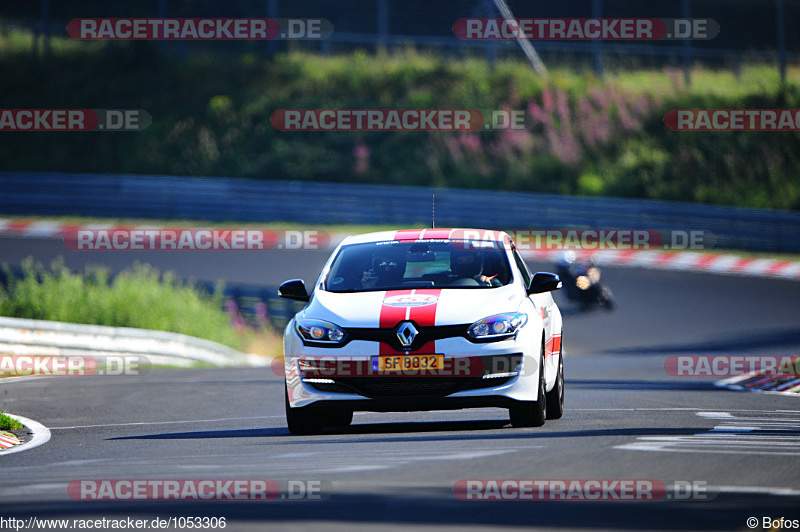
point(544, 282)
point(294, 289)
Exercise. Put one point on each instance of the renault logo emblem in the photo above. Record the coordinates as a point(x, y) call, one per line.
point(406, 333)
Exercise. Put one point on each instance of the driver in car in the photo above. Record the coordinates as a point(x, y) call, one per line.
point(386, 272)
point(469, 265)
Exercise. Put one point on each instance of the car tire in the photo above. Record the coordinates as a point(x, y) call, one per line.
point(532, 413)
point(555, 397)
point(339, 418)
point(301, 421)
point(606, 300)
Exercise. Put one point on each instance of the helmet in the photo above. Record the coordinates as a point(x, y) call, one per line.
point(569, 258)
point(466, 263)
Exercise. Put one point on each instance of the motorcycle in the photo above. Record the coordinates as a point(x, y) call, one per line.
point(581, 282)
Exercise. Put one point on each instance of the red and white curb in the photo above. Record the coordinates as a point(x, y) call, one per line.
point(8, 440)
point(55, 229)
point(683, 261)
point(41, 435)
point(783, 384)
point(724, 264)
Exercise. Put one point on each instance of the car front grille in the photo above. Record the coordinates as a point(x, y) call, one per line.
point(380, 386)
point(376, 387)
point(388, 336)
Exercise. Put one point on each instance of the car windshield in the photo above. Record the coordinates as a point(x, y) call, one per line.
point(396, 265)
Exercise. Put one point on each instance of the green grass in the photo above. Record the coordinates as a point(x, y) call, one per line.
point(9, 423)
point(140, 297)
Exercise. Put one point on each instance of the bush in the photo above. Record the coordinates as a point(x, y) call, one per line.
point(140, 297)
point(211, 117)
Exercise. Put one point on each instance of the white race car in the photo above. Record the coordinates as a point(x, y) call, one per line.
point(423, 319)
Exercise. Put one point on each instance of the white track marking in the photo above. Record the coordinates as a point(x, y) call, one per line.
point(716, 415)
point(138, 423)
point(374, 460)
point(680, 409)
point(735, 435)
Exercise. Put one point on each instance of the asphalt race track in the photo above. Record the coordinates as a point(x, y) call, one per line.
point(626, 418)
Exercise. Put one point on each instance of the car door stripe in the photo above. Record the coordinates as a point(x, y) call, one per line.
point(553, 345)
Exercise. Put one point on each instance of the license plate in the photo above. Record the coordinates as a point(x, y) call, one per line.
point(407, 363)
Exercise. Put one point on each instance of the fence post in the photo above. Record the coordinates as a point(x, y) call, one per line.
point(597, 46)
point(383, 21)
point(272, 12)
point(35, 42)
point(687, 45)
point(162, 14)
point(781, 41)
point(46, 27)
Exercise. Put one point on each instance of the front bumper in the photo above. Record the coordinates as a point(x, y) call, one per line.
point(499, 374)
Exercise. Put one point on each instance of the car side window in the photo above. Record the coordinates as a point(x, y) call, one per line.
point(523, 268)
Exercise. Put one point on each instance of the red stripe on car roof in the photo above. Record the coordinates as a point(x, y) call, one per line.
point(408, 234)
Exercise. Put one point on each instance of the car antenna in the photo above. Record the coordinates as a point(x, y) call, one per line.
point(433, 211)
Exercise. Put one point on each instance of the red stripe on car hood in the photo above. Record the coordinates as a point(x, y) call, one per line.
point(423, 316)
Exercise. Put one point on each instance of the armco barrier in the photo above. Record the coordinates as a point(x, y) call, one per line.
point(221, 199)
point(36, 337)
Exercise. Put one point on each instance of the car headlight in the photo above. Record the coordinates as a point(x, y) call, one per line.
point(497, 326)
point(319, 331)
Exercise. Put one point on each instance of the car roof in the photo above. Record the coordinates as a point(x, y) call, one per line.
point(429, 234)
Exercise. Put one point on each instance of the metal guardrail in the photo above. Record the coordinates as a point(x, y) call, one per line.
point(249, 200)
point(37, 337)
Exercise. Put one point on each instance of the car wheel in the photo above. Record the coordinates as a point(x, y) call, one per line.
point(532, 413)
point(606, 300)
point(339, 418)
point(555, 397)
point(301, 421)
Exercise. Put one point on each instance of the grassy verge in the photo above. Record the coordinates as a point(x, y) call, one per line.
point(9, 423)
point(139, 297)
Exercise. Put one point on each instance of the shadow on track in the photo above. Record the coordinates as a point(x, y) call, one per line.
point(640, 385)
point(410, 508)
point(467, 430)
